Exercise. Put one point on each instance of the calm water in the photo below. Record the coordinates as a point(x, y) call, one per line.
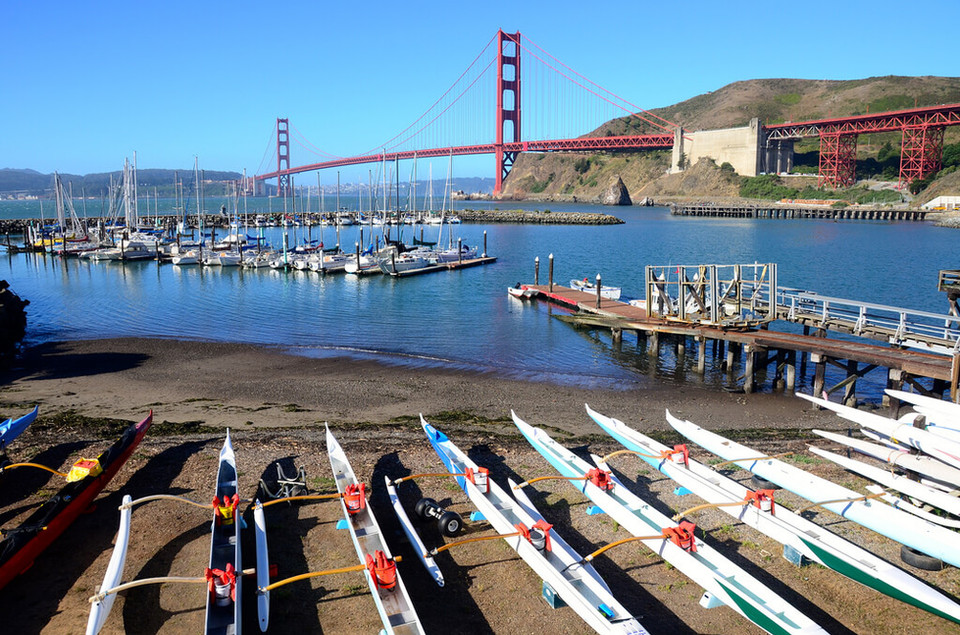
point(465, 320)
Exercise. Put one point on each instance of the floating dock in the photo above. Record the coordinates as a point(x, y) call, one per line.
point(445, 266)
point(789, 212)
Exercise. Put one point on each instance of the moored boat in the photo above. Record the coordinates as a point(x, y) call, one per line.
point(611, 293)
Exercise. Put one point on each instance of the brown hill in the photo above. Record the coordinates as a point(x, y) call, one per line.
point(552, 177)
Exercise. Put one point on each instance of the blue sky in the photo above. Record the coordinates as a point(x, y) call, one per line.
point(85, 84)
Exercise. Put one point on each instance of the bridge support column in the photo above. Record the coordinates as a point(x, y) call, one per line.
point(921, 152)
point(838, 159)
point(283, 156)
point(508, 103)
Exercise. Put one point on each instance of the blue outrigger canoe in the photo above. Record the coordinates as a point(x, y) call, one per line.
point(12, 428)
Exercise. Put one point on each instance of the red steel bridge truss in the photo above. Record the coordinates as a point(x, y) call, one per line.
point(921, 150)
point(922, 129)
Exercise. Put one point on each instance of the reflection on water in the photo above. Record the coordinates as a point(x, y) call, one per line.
point(465, 320)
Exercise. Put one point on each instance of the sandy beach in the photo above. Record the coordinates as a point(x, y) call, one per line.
point(276, 405)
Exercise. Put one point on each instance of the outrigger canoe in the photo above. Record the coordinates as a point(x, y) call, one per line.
point(723, 581)
point(557, 564)
point(12, 428)
point(390, 595)
point(897, 525)
point(791, 530)
point(86, 479)
point(223, 616)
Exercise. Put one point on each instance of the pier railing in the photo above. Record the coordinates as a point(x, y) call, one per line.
point(934, 332)
point(721, 295)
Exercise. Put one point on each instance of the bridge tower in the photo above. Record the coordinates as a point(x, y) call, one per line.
point(508, 102)
point(283, 156)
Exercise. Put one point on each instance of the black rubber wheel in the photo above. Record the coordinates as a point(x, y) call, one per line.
point(758, 482)
point(450, 523)
point(422, 505)
point(919, 559)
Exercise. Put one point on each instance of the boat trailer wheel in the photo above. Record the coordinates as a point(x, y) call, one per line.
point(448, 522)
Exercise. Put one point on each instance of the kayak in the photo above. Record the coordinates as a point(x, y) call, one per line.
point(425, 558)
point(544, 551)
point(101, 608)
point(897, 525)
point(87, 478)
point(724, 582)
point(263, 566)
point(12, 428)
point(389, 593)
point(223, 613)
point(937, 473)
point(792, 530)
point(935, 445)
point(901, 483)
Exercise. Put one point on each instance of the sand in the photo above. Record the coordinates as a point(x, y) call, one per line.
point(276, 404)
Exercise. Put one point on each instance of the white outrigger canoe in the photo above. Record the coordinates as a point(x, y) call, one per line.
point(901, 483)
point(902, 432)
point(101, 608)
point(557, 564)
point(944, 413)
point(792, 530)
point(223, 615)
point(937, 473)
point(897, 525)
point(723, 581)
point(390, 595)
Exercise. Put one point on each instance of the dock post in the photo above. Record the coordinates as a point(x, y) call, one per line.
point(598, 291)
point(681, 345)
point(550, 281)
point(955, 378)
point(818, 373)
point(748, 371)
point(653, 344)
point(894, 382)
point(732, 354)
point(778, 379)
point(459, 250)
point(850, 390)
point(701, 354)
point(484, 243)
point(536, 271)
point(791, 371)
point(617, 334)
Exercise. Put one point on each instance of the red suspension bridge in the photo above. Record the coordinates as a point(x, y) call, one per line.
point(559, 104)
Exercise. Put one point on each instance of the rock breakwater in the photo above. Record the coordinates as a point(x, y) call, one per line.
point(545, 217)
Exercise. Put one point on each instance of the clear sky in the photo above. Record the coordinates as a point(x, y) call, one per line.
point(85, 84)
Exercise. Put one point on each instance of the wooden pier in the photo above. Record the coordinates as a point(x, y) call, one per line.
point(773, 211)
point(757, 348)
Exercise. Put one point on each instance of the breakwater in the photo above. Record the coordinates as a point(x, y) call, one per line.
point(545, 217)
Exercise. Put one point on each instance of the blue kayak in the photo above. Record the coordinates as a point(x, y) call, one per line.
point(12, 428)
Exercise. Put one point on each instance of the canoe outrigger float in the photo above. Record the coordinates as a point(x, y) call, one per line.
point(393, 604)
point(222, 578)
point(723, 581)
point(522, 527)
point(895, 524)
point(12, 428)
point(86, 479)
point(759, 510)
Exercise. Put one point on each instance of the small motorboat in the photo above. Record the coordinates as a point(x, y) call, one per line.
point(611, 293)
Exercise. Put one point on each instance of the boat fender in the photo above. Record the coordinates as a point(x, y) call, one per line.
point(480, 478)
point(762, 499)
point(225, 511)
point(383, 570)
point(681, 455)
point(600, 478)
point(222, 584)
point(84, 468)
point(355, 498)
point(538, 535)
point(682, 535)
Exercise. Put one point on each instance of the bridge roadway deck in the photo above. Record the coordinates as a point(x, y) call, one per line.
point(614, 314)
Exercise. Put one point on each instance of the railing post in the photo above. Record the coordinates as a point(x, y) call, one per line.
point(536, 271)
point(550, 281)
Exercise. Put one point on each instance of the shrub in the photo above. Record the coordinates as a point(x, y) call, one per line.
point(727, 167)
point(581, 165)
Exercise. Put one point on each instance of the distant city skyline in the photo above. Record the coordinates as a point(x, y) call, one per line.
point(86, 85)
